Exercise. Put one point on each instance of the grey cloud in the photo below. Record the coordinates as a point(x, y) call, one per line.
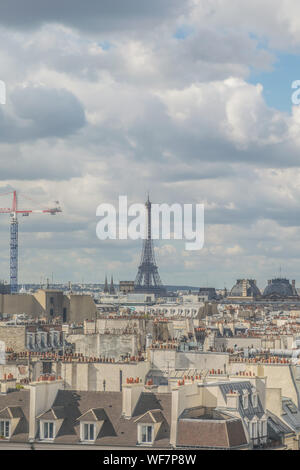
point(129, 142)
point(89, 15)
point(46, 112)
point(40, 113)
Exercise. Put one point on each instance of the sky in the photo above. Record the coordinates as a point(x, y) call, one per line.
point(189, 100)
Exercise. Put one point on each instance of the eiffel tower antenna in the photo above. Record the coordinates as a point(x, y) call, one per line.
point(148, 279)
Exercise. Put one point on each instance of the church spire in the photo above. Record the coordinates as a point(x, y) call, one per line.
point(106, 290)
point(112, 287)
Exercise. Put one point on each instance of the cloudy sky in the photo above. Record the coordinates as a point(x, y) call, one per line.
point(191, 100)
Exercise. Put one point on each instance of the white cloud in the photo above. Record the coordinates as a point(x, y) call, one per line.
point(94, 112)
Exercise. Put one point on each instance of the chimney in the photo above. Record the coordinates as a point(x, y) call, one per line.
point(8, 384)
point(130, 396)
point(274, 400)
point(42, 396)
point(232, 399)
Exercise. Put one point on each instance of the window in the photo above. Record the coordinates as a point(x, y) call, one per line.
point(254, 400)
point(245, 401)
point(48, 430)
point(292, 408)
point(4, 428)
point(253, 430)
point(263, 427)
point(146, 434)
point(51, 312)
point(88, 432)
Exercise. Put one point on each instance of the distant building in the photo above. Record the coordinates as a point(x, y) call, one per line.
point(210, 292)
point(126, 286)
point(245, 289)
point(49, 304)
point(106, 288)
point(4, 288)
point(280, 288)
point(112, 290)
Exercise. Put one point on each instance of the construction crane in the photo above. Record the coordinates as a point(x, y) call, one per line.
point(14, 229)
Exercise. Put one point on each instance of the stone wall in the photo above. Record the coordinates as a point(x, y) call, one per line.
point(14, 337)
point(82, 307)
point(230, 343)
point(107, 345)
point(50, 304)
point(172, 359)
point(91, 376)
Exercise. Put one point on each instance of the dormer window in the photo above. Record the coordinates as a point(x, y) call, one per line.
point(50, 423)
point(5, 428)
point(245, 401)
point(146, 434)
point(263, 426)
point(87, 432)
point(95, 423)
point(254, 400)
point(253, 430)
point(47, 430)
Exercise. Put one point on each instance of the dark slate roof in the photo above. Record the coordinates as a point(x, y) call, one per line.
point(16, 412)
point(56, 412)
point(222, 434)
point(18, 404)
point(290, 413)
point(154, 416)
point(281, 288)
point(157, 415)
point(5, 414)
point(252, 289)
point(250, 412)
point(276, 427)
point(148, 401)
point(116, 430)
point(95, 414)
point(202, 412)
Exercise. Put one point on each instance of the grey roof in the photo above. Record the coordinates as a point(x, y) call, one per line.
point(107, 406)
point(18, 404)
point(155, 416)
point(15, 411)
point(56, 412)
point(94, 414)
point(252, 289)
point(280, 287)
point(276, 426)
point(290, 413)
point(201, 433)
point(250, 412)
point(5, 414)
point(205, 413)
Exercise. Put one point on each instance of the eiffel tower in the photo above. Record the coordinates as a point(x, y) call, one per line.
point(148, 279)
